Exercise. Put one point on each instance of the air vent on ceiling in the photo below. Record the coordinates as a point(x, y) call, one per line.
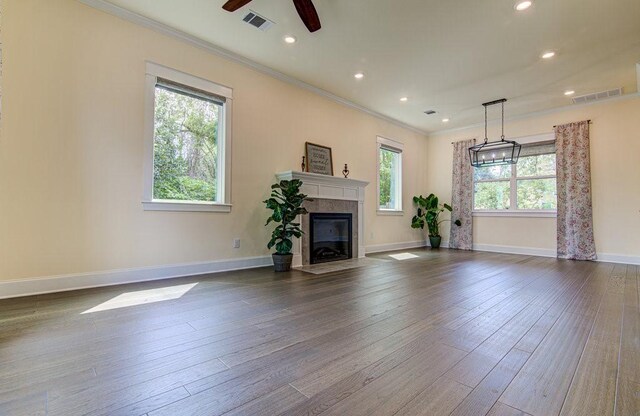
point(429, 112)
point(597, 96)
point(261, 22)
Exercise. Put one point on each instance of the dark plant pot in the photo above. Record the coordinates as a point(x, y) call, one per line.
point(282, 262)
point(435, 241)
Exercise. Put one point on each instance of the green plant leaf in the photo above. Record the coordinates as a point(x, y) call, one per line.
point(428, 212)
point(286, 205)
point(284, 247)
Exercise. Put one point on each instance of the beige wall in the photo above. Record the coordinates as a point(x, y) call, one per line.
point(615, 173)
point(71, 151)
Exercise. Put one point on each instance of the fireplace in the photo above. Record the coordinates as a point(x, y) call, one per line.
point(330, 237)
point(329, 194)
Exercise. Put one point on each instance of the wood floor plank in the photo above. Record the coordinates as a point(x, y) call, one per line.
point(476, 365)
point(542, 384)
point(628, 402)
point(593, 388)
point(152, 403)
point(389, 393)
point(443, 332)
point(441, 398)
point(319, 380)
point(628, 381)
point(272, 403)
point(32, 404)
point(486, 394)
point(350, 383)
point(576, 278)
point(105, 398)
point(246, 382)
point(501, 409)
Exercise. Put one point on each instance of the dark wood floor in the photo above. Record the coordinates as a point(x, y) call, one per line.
point(445, 333)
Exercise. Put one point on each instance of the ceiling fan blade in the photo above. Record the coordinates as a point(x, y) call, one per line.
point(308, 14)
point(233, 5)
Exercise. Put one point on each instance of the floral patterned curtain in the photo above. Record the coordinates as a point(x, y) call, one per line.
point(462, 197)
point(575, 218)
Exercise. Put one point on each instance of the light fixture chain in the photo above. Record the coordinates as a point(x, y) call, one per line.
point(502, 121)
point(486, 137)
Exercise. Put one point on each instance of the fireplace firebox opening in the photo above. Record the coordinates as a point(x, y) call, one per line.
point(330, 237)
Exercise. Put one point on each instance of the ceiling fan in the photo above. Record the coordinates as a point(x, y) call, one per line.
point(305, 9)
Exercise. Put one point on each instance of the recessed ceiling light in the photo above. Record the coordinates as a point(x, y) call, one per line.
point(358, 75)
point(523, 5)
point(404, 99)
point(445, 120)
point(570, 92)
point(290, 39)
point(549, 54)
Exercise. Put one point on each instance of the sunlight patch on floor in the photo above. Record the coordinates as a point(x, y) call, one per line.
point(403, 256)
point(142, 297)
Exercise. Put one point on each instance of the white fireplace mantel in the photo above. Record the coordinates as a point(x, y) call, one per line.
point(329, 187)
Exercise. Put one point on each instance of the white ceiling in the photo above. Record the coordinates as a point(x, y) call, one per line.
point(445, 55)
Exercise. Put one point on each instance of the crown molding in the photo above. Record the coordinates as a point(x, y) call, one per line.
point(555, 110)
point(148, 23)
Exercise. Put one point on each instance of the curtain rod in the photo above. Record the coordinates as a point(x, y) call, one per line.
point(588, 121)
point(474, 140)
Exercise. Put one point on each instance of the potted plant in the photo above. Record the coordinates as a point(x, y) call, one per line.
point(286, 204)
point(429, 210)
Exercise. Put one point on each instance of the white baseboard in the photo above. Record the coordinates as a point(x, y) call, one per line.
point(618, 258)
point(37, 286)
point(546, 252)
point(379, 248)
point(297, 260)
point(530, 251)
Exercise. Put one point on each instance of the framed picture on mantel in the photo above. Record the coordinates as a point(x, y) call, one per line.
point(319, 159)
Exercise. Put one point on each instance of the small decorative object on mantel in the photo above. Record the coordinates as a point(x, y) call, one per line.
point(302, 165)
point(501, 152)
point(345, 171)
point(319, 159)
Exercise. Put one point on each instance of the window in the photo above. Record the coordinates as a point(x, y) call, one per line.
point(187, 147)
point(389, 176)
point(526, 188)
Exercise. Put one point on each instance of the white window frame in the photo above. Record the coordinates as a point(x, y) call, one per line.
point(394, 146)
point(513, 210)
point(223, 185)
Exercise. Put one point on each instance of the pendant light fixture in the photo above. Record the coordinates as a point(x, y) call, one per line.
point(501, 152)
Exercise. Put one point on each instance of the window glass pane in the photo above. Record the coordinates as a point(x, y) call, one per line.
point(185, 147)
point(537, 194)
point(492, 172)
point(491, 195)
point(541, 165)
point(389, 179)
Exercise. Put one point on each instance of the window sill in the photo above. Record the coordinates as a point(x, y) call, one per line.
point(390, 212)
point(185, 206)
point(514, 213)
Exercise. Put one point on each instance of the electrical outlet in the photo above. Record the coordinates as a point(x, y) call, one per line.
point(236, 243)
